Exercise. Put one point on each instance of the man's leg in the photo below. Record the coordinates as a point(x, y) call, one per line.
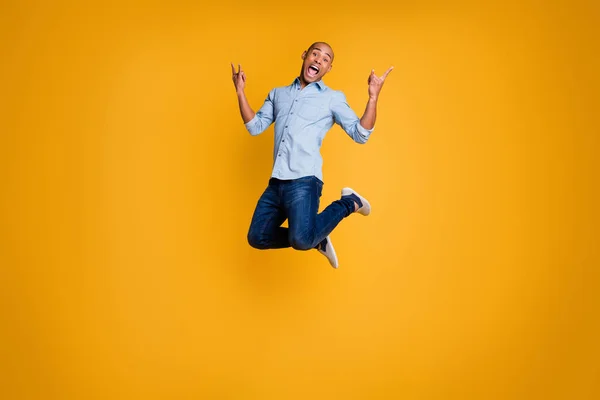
point(307, 228)
point(265, 230)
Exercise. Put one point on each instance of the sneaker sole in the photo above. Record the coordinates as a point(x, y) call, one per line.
point(334, 262)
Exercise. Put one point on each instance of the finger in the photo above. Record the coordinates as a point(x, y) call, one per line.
point(375, 76)
point(232, 69)
point(243, 74)
point(239, 68)
point(387, 72)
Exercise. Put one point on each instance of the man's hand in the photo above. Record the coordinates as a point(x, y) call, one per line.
point(239, 81)
point(376, 83)
point(239, 78)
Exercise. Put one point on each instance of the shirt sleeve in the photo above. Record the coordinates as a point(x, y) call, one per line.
point(344, 116)
point(263, 118)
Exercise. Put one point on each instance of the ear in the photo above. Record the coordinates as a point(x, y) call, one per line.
point(303, 55)
point(330, 66)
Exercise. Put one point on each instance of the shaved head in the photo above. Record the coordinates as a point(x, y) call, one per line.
point(324, 47)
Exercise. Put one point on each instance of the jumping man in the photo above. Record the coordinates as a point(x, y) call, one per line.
point(303, 113)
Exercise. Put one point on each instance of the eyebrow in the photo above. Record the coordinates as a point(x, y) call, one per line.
point(316, 48)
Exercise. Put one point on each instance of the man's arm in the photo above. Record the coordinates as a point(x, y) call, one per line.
point(358, 129)
point(375, 84)
point(344, 116)
point(256, 123)
point(239, 81)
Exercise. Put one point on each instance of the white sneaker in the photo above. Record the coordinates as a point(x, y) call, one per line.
point(366, 207)
point(328, 251)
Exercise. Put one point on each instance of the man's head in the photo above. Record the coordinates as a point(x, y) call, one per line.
point(317, 62)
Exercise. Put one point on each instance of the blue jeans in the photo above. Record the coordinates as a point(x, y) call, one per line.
point(298, 201)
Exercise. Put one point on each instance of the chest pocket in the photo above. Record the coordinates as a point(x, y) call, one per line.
point(313, 111)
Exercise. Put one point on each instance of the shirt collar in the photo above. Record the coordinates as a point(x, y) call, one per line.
point(320, 84)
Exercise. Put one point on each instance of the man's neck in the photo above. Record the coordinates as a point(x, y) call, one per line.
point(304, 84)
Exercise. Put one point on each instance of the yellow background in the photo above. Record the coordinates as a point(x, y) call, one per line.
point(129, 181)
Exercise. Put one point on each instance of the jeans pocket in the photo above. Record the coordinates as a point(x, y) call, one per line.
point(319, 184)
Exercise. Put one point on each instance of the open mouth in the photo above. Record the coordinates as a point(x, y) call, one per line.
point(312, 71)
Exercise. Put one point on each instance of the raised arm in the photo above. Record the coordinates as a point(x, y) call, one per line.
point(358, 129)
point(256, 123)
point(239, 81)
point(375, 84)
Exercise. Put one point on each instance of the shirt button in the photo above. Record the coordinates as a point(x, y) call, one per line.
point(292, 112)
point(286, 126)
point(283, 140)
point(296, 100)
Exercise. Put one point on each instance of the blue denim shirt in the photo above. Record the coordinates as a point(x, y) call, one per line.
point(302, 118)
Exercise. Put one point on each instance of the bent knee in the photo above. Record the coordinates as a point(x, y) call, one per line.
point(300, 243)
point(256, 241)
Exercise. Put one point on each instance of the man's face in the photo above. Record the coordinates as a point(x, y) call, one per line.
point(317, 62)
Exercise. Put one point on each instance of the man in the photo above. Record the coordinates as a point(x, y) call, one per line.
point(303, 112)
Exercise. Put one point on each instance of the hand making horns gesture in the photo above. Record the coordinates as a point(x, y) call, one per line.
point(239, 78)
point(376, 83)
